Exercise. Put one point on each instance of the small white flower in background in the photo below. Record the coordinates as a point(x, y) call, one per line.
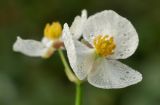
point(51, 40)
point(43, 48)
point(111, 37)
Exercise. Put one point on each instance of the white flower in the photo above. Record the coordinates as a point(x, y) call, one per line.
point(51, 40)
point(43, 48)
point(111, 37)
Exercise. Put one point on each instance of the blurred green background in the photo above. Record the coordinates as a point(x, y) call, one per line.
point(35, 81)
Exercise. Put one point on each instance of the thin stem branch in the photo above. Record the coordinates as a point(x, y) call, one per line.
point(72, 78)
point(67, 69)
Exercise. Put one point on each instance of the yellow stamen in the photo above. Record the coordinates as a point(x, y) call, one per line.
point(53, 31)
point(104, 45)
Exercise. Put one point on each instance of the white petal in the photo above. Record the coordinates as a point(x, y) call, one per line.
point(47, 42)
point(78, 24)
point(29, 47)
point(80, 56)
point(110, 74)
point(110, 23)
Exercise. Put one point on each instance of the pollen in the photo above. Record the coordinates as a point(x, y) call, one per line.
point(53, 31)
point(104, 45)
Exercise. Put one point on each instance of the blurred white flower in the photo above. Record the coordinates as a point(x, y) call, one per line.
point(111, 37)
point(51, 40)
point(43, 48)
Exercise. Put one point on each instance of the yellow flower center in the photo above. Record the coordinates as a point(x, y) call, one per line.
point(104, 45)
point(53, 31)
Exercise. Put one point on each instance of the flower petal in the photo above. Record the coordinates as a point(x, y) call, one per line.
point(80, 56)
point(77, 25)
point(110, 23)
point(29, 47)
point(110, 74)
point(47, 42)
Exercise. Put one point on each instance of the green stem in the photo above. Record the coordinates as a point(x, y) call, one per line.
point(72, 78)
point(67, 69)
point(78, 94)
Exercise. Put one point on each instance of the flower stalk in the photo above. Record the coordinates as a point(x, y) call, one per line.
point(78, 100)
point(72, 78)
point(67, 69)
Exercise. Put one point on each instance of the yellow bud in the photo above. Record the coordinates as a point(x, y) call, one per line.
point(104, 45)
point(53, 31)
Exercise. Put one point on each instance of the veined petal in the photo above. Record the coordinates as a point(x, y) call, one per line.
point(110, 74)
point(78, 24)
point(81, 57)
point(29, 47)
point(110, 23)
